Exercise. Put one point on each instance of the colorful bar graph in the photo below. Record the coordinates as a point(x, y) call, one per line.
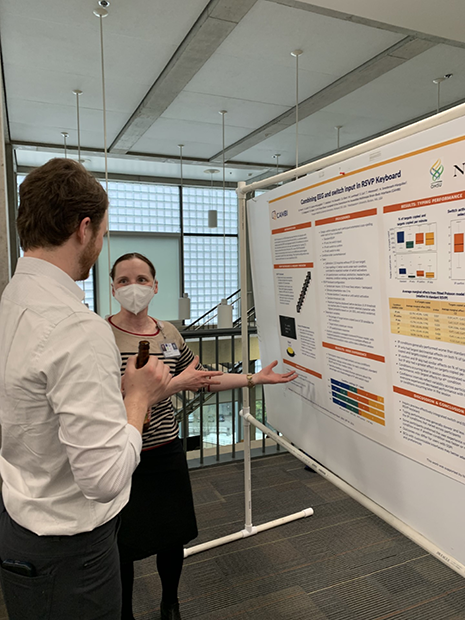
point(400, 236)
point(419, 238)
point(358, 401)
point(430, 238)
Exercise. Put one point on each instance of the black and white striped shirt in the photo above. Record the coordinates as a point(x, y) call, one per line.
point(163, 426)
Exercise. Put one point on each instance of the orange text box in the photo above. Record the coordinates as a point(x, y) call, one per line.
point(370, 356)
point(291, 228)
point(303, 369)
point(430, 400)
point(294, 266)
point(347, 216)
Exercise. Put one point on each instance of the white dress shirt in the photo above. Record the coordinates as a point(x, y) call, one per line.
point(67, 452)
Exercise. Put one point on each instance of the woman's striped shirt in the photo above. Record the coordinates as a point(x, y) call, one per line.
point(163, 426)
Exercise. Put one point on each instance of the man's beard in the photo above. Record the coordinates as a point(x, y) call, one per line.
point(88, 258)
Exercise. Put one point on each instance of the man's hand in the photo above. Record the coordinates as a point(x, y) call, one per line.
point(192, 379)
point(144, 387)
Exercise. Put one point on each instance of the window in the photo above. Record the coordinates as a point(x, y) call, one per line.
point(211, 261)
point(197, 201)
point(207, 278)
point(143, 207)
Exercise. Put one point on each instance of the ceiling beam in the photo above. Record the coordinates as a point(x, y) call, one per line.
point(149, 157)
point(364, 21)
point(374, 68)
point(411, 121)
point(145, 178)
point(216, 22)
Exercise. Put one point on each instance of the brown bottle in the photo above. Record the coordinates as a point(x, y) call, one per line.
point(142, 358)
point(143, 353)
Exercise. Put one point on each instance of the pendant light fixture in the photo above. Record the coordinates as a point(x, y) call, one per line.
point(65, 135)
point(277, 156)
point(224, 309)
point(212, 213)
point(438, 81)
point(184, 303)
point(78, 93)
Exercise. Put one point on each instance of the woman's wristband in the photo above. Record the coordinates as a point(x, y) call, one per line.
point(250, 383)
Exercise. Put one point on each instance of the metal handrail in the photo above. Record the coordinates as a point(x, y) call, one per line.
point(197, 323)
point(217, 412)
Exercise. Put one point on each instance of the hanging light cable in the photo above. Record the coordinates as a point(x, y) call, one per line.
point(65, 135)
point(212, 213)
point(223, 112)
point(78, 125)
point(338, 130)
point(438, 81)
point(101, 12)
point(224, 309)
point(296, 54)
point(184, 303)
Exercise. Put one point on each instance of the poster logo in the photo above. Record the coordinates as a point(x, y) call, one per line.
point(277, 214)
point(436, 171)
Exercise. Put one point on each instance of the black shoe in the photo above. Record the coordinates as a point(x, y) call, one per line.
point(170, 611)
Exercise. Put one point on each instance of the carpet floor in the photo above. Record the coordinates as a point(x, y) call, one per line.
point(342, 563)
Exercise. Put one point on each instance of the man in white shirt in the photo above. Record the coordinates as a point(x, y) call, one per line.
point(69, 442)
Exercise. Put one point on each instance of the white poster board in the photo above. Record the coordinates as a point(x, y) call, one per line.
point(359, 282)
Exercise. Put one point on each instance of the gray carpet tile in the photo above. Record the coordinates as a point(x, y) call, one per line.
point(342, 563)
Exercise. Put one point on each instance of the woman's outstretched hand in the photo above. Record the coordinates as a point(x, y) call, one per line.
point(268, 376)
point(193, 380)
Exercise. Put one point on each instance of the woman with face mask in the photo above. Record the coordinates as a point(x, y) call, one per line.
point(159, 517)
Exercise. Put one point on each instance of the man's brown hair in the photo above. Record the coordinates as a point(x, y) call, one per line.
point(54, 199)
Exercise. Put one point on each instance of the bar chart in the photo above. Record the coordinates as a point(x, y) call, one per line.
point(364, 404)
point(415, 238)
point(416, 266)
point(414, 252)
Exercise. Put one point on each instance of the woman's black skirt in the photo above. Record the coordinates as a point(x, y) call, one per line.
point(160, 512)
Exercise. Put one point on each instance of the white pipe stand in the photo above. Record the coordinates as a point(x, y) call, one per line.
point(376, 509)
point(249, 529)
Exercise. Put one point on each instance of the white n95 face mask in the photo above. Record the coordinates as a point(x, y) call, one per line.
point(134, 297)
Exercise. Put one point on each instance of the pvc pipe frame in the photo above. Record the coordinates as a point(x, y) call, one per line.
point(245, 533)
point(249, 529)
point(362, 499)
point(242, 190)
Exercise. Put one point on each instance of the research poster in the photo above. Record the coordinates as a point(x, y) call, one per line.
point(369, 276)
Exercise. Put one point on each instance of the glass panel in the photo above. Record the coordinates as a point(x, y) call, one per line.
point(143, 207)
point(197, 201)
point(204, 272)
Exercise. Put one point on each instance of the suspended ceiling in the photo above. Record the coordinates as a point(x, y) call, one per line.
point(172, 65)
